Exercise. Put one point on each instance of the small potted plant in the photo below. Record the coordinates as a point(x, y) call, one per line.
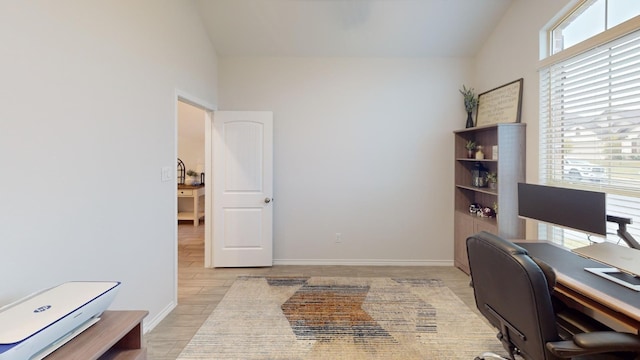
point(492, 180)
point(194, 178)
point(470, 146)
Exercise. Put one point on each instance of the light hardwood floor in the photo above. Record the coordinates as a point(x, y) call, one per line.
point(200, 289)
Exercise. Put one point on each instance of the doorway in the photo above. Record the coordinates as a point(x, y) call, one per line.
point(244, 142)
point(191, 152)
point(193, 124)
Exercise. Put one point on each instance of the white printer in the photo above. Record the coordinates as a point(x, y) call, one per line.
point(33, 327)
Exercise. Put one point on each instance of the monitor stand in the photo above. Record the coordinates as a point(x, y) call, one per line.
point(622, 230)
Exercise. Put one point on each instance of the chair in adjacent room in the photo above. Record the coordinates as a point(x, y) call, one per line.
point(515, 295)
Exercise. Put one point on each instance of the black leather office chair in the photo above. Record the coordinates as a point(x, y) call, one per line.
point(512, 292)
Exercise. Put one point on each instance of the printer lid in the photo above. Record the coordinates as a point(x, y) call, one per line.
point(26, 317)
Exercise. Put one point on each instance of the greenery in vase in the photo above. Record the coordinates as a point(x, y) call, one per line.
point(192, 173)
point(470, 99)
point(470, 145)
point(492, 177)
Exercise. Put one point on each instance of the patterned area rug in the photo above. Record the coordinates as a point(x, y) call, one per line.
point(341, 318)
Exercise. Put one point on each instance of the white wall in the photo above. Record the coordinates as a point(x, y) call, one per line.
point(87, 122)
point(513, 52)
point(363, 147)
point(191, 136)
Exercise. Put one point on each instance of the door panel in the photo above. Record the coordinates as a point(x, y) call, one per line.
point(243, 228)
point(242, 186)
point(243, 169)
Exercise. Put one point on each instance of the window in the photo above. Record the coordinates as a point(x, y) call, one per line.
point(590, 112)
point(591, 18)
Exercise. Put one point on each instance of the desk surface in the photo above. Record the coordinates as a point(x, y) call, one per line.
point(183, 186)
point(623, 303)
point(118, 335)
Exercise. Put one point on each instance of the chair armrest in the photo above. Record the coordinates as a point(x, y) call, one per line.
point(617, 341)
point(595, 343)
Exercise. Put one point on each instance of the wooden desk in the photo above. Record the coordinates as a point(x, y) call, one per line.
point(604, 300)
point(194, 192)
point(118, 335)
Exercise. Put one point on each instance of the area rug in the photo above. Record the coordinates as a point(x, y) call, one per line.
point(341, 318)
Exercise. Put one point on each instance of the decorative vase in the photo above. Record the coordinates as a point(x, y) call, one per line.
point(469, 120)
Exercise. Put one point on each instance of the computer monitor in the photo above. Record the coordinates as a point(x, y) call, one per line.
point(576, 209)
point(584, 211)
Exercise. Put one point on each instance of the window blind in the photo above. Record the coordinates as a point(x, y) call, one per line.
point(590, 128)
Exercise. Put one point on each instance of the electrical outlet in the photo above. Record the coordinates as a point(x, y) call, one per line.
point(338, 238)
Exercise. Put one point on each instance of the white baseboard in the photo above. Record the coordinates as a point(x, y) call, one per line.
point(363, 262)
point(152, 323)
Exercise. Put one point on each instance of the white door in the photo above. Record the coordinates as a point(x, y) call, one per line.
point(242, 188)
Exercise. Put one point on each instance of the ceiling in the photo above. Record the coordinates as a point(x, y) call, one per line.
point(350, 28)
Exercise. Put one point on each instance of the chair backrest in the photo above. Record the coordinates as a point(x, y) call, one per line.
point(509, 287)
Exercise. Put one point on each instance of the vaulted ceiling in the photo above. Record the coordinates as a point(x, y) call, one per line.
point(350, 28)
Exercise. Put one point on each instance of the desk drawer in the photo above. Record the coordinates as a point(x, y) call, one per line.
point(182, 192)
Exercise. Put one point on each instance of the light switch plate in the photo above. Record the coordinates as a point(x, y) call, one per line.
point(166, 173)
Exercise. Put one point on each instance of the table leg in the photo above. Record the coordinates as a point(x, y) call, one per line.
point(196, 218)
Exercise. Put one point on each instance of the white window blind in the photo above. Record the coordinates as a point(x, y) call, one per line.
point(590, 129)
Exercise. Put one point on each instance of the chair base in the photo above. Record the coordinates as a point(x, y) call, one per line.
point(490, 355)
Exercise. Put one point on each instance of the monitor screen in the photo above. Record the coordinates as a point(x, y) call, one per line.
point(576, 209)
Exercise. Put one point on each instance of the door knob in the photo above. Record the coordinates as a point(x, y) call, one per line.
point(267, 200)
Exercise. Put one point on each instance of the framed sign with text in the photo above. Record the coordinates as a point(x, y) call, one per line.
point(500, 105)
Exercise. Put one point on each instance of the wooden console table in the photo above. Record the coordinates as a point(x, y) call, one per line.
point(117, 336)
point(194, 192)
